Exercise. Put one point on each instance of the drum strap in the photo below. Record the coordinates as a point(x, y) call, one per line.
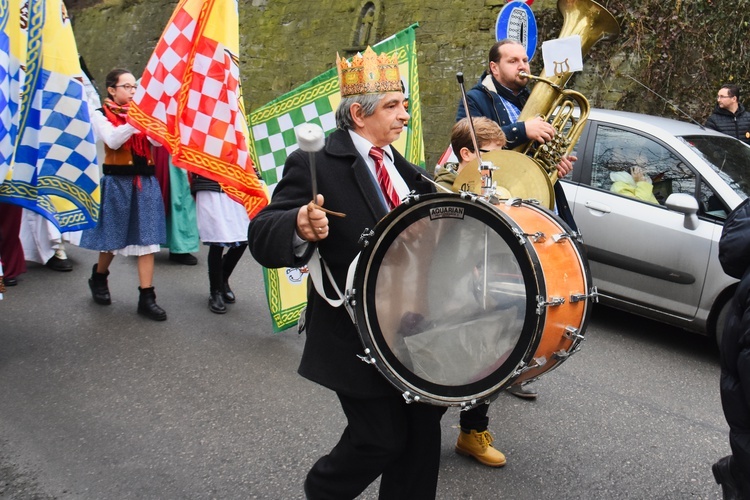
point(317, 266)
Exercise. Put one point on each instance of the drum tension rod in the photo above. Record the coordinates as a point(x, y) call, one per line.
point(364, 238)
point(538, 237)
point(523, 367)
point(409, 398)
point(571, 333)
point(554, 301)
point(367, 358)
point(466, 406)
point(593, 295)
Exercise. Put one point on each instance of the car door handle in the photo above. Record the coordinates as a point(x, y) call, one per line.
point(598, 207)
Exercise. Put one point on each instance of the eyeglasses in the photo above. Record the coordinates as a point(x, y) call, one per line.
point(723, 96)
point(127, 87)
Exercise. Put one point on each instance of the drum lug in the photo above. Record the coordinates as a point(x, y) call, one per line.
point(593, 295)
point(409, 398)
point(468, 406)
point(562, 355)
point(574, 334)
point(367, 358)
point(364, 238)
point(554, 301)
point(538, 237)
point(413, 196)
point(562, 236)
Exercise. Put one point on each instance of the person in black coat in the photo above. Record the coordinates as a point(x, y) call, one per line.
point(733, 471)
point(385, 436)
point(730, 116)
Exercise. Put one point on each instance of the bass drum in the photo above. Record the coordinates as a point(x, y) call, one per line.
point(451, 300)
point(567, 281)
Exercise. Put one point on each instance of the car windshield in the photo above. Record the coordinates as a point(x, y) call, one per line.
point(729, 157)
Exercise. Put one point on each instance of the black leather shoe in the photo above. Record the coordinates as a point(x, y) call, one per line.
point(10, 281)
point(227, 294)
point(57, 264)
point(521, 392)
point(216, 302)
point(723, 474)
point(185, 259)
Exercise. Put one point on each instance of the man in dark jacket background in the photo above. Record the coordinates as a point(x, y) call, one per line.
point(729, 116)
point(733, 471)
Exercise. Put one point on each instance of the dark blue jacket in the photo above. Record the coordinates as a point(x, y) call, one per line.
point(734, 255)
point(484, 102)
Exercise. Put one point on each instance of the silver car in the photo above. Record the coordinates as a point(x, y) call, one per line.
point(658, 258)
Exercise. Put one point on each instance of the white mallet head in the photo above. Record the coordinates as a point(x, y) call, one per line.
point(310, 137)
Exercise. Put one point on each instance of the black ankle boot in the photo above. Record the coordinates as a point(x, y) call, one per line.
point(227, 293)
point(99, 288)
point(215, 298)
point(147, 305)
point(216, 302)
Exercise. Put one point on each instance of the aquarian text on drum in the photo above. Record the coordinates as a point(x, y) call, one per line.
point(442, 212)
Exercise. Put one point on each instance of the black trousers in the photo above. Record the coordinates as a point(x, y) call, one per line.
point(475, 419)
point(384, 437)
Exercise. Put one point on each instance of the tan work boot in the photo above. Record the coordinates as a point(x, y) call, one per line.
point(479, 445)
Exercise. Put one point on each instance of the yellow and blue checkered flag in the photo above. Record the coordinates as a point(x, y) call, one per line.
point(54, 170)
point(10, 71)
point(273, 139)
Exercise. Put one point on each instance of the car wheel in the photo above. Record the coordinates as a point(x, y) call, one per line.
point(721, 319)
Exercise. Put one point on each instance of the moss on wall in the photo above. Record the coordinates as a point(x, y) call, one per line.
point(682, 49)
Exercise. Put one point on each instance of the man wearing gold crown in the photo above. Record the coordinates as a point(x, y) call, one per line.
point(360, 174)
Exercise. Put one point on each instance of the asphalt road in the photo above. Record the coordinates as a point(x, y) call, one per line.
point(99, 403)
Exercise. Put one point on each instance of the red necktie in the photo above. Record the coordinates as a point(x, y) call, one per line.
point(384, 180)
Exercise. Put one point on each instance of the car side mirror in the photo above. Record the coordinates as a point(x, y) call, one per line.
point(685, 204)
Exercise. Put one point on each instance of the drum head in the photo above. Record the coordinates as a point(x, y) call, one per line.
point(445, 299)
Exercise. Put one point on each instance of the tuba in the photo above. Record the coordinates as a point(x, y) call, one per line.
point(567, 111)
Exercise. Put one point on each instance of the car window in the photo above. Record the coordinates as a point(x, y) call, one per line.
point(619, 154)
point(727, 156)
point(710, 204)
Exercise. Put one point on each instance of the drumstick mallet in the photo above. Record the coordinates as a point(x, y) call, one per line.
point(311, 139)
point(485, 168)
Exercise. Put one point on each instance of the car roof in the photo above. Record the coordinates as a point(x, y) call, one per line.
point(638, 120)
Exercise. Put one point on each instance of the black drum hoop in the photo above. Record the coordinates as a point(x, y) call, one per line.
point(378, 243)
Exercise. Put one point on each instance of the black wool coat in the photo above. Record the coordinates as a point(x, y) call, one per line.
point(734, 255)
point(343, 178)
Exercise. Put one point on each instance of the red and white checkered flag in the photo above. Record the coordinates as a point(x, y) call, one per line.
point(190, 99)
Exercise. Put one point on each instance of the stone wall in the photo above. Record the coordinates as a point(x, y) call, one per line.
point(285, 43)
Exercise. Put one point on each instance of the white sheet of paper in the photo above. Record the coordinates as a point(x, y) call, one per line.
point(563, 55)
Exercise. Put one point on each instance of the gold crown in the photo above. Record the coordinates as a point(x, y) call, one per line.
point(368, 74)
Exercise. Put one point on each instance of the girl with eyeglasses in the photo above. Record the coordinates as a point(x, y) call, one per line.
point(131, 219)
